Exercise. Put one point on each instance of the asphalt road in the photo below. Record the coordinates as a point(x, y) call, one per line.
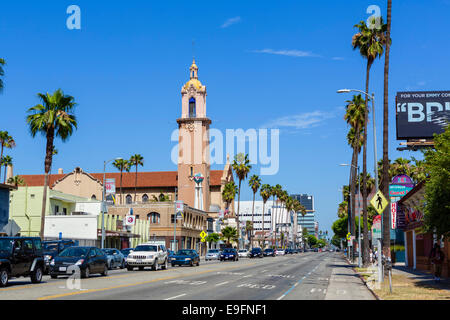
point(303, 276)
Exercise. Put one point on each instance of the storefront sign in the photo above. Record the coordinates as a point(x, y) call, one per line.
point(130, 220)
point(393, 215)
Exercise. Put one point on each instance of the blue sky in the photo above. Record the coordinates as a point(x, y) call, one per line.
point(265, 64)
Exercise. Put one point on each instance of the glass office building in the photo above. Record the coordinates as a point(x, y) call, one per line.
point(308, 221)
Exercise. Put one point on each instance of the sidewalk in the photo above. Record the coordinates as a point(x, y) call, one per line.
point(345, 284)
point(422, 277)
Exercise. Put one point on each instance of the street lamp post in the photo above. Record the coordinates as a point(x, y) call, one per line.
point(103, 200)
point(359, 220)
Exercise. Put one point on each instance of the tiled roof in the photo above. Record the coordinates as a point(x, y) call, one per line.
point(144, 180)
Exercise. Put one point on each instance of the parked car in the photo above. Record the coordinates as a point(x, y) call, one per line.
point(148, 255)
point(185, 257)
point(21, 257)
point(243, 253)
point(125, 253)
point(279, 252)
point(229, 254)
point(289, 251)
point(86, 260)
point(54, 247)
point(294, 251)
point(212, 254)
point(256, 253)
point(269, 253)
point(316, 249)
point(115, 258)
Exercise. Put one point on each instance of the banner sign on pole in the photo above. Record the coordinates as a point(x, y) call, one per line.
point(393, 215)
point(110, 186)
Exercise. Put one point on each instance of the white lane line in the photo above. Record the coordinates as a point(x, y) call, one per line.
point(222, 283)
point(324, 291)
point(312, 290)
point(180, 295)
point(281, 297)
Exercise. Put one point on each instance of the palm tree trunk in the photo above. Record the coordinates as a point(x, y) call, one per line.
point(237, 216)
point(263, 234)
point(4, 178)
point(121, 195)
point(365, 252)
point(386, 225)
point(47, 166)
point(135, 184)
point(253, 227)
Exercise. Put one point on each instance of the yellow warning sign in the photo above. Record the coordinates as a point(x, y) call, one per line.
point(203, 235)
point(379, 202)
point(349, 235)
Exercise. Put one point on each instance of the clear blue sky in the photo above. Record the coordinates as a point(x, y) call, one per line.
point(263, 62)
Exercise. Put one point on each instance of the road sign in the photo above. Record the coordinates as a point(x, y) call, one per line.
point(11, 228)
point(130, 220)
point(376, 227)
point(203, 235)
point(379, 202)
point(349, 236)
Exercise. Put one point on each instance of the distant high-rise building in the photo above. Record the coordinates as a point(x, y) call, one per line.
point(308, 221)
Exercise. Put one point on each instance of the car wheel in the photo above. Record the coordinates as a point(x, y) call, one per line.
point(141, 268)
point(53, 276)
point(173, 265)
point(4, 277)
point(155, 265)
point(198, 262)
point(122, 266)
point(191, 264)
point(129, 268)
point(85, 273)
point(165, 265)
point(105, 271)
point(36, 276)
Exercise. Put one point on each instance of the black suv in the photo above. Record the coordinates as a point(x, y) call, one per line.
point(229, 254)
point(269, 252)
point(256, 252)
point(21, 257)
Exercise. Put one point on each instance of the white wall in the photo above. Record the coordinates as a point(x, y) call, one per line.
point(89, 207)
point(73, 227)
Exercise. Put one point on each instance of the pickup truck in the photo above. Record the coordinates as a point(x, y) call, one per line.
point(148, 255)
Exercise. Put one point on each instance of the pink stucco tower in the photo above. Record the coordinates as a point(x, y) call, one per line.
point(193, 144)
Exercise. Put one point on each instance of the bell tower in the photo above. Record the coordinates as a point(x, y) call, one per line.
point(193, 144)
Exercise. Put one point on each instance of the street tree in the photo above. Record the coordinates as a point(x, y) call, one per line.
point(254, 183)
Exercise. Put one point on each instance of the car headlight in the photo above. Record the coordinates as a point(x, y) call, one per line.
point(52, 263)
point(79, 262)
point(47, 257)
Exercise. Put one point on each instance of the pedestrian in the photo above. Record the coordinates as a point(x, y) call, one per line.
point(437, 258)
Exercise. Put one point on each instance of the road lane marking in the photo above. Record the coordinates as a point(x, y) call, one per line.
point(180, 295)
point(222, 283)
point(132, 284)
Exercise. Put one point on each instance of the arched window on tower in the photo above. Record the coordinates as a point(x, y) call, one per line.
point(129, 199)
point(192, 111)
point(145, 198)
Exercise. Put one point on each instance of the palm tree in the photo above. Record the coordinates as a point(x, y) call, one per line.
point(355, 113)
point(2, 73)
point(229, 234)
point(254, 183)
point(265, 193)
point(369, 186)
point(241, 166)
point(16, 181)
point(6, 161)
point(229, 193)
point(276, 192)
point(54, 117)
point(6, 141)
point(297, 207)
point(283, 198)
point(386, 224)
point(289, 207)
point(401, 166)
point(136, 160)
point(121, 165)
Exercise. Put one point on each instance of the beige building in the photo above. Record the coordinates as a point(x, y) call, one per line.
point(194, 183)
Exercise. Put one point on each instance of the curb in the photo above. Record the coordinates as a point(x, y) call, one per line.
point(363, 281)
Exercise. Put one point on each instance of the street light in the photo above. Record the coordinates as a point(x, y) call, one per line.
point(103, 201)
point(359, 220)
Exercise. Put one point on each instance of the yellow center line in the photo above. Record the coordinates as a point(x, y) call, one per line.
point(134, 284)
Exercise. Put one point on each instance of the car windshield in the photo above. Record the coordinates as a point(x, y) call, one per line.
point(5, 245)
point(213, 251)
point(126, 251)
point(74, 252)
point(184, 252)
point(49, 246)
point(243, 250)
point(228, 250)
point(146, 248)
point(268, 250)
point(108, 251)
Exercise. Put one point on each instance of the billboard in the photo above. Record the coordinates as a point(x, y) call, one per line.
point(420, 114)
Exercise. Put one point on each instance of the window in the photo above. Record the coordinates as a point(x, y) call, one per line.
point(192, 171)
point(37, 244)
point(93, 197)
point(28, 245)
point(145, 198)
point(192, 112)
point(172, 218)
point(128, 199)
point(154, 217)
point(137, 216)
point(65, 211)
point(56, 209)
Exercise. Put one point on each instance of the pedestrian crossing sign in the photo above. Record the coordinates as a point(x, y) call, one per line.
point(203, 235)
point(379, 202)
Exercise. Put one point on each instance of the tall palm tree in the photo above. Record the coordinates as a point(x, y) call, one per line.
point(283, 198)
point(355, 114)
point(136, 160)
point(229, 193)
point(230, 234)
point(276, 192)
point(254, 183)
point(6, 141)
point(386, 224)
point(2, 73)
point(401, 166)
point(6, 161)
point(297, 207)
point(241, 166)
point(369, 186)
point(53, 118)
point(121, 165)
point(289, 204)
point(16, 181)
point(265, 193)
